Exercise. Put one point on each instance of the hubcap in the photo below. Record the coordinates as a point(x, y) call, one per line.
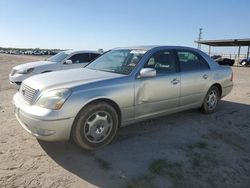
point(98, 126)
point(212, 100)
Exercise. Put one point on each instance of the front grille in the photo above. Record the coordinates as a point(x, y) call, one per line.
point(28, 93)
point(13, 71)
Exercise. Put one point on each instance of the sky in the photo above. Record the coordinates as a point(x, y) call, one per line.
point(94, 24)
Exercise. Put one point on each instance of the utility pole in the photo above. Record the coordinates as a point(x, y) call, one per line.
point(199, 38)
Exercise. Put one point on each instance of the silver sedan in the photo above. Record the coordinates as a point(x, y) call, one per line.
point(123, 86)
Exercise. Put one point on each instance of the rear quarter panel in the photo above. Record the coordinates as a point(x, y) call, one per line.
point(222, 75)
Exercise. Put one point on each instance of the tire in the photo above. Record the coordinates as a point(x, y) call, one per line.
point(231, 63)
point(211, 100)
point(95, 126)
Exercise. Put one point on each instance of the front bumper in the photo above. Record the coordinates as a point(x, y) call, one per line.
point(17, 85)
point(40, 123)
point(17, 79)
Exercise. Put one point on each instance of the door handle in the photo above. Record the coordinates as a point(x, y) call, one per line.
point(205, 76)
point(175, 81)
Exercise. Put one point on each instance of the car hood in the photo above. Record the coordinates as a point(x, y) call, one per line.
point(68, 78)
point(32, 65)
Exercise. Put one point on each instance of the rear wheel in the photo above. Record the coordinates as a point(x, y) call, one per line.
point(211, 100)
point(95, 126)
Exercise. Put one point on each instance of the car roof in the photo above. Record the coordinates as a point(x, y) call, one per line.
point(149, 47)
point(158, 47)
point(136, 47)
point(80, 51)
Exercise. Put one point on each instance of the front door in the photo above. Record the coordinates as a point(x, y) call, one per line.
point(158, 94)
point(78, 61)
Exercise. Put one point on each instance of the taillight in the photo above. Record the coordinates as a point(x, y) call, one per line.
point(232, 76)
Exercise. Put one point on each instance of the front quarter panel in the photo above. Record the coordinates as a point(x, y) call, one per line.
point(120, 91)
point(44, 68)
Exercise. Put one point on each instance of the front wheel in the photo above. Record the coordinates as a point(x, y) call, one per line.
point(95, 126)
point(211, 100)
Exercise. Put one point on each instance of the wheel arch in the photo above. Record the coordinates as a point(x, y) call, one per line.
point(102, 99)
point(111, 103)
point(219, 88)
point(107, 100)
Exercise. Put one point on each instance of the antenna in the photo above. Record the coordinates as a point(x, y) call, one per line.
point(199, 38)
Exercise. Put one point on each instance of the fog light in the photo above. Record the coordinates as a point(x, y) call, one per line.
point(45, 132)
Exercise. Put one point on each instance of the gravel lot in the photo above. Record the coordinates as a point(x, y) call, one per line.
point(187, 149)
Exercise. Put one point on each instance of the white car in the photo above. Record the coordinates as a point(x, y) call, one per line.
point(61, 61)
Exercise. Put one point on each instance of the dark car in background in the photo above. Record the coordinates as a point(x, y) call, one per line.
point(223, 61)
point(245, 62)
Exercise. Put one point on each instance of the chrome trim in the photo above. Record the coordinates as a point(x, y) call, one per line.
point(28, 93)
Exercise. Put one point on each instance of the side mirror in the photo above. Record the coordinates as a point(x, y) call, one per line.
point(147, 73)
point(68, 62)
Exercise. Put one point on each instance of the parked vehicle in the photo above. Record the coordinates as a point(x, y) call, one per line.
point(37, 52)
point(123, 86)
point(60, 61)
point(52, 52)
point(28, 52)
point(223, 61)
point(16, 52)
point(245, 62)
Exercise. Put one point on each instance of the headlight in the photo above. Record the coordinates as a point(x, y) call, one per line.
point(53, 99)
point(25, 71)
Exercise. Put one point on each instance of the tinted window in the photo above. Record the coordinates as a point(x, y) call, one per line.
point(188, 61)
point(204, 64)
point(80, 58)
point(93, 56)
point(163, 62)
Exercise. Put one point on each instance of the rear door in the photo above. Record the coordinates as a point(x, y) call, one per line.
point(195, 76)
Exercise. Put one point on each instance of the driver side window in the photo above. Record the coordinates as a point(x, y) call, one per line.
point(163, 62)
point(80, 58)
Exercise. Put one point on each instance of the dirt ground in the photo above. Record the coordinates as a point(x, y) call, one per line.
point(187, 149)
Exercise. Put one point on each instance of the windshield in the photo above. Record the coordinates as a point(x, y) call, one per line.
point(58, 57)
point(118, 61)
